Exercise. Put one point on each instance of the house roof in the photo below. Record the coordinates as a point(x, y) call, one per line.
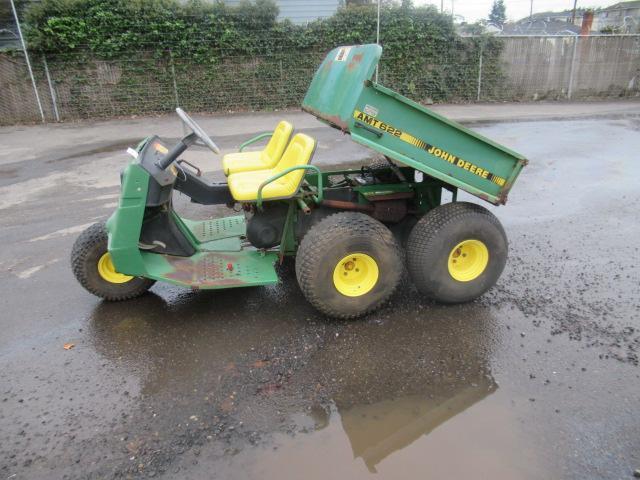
point(540, 27)
point(622, 6)
point(579, 12)
point(566, 14)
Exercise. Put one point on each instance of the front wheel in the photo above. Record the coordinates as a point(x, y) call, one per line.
point(93, 268)
point(456, 252)
point(348, 265)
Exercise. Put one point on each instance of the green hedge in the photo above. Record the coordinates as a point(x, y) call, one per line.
point(230, 58)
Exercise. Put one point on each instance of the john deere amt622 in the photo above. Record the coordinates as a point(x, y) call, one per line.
point(347, 229)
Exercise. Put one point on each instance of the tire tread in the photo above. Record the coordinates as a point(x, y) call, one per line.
point(420, 246)
point(321, 237)
point(95, 236)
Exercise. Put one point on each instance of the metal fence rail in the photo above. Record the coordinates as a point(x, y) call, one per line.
point(529, 68)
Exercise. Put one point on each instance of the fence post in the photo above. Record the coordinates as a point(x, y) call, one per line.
point(571, 71)
point(173, 77)
point(26, 57)
point(479, 74)
point(51, 89)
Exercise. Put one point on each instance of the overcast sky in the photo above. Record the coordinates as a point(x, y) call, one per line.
point(473, 10)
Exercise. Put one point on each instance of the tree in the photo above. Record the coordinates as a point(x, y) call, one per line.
point(498, 14)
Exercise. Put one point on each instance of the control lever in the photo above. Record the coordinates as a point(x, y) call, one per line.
point(189, 164)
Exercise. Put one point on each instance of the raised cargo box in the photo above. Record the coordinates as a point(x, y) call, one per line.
point(343, 95)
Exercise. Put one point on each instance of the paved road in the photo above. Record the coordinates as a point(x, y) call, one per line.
point(537, 379)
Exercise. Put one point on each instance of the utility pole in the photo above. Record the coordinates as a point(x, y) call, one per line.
point(378, 24)
point(452, 9)
point(26, 57)
point(441, 6)
point(573, 14)
point(378, 35)
point(531, 11)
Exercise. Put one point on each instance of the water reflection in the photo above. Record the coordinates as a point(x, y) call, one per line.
point(260, 356)
point(376, 431)
point(399, 379)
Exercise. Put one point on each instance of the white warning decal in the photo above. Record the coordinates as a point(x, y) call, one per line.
point(343, 53)
point(370, 110)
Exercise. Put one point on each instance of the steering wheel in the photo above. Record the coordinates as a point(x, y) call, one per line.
point(197, 129)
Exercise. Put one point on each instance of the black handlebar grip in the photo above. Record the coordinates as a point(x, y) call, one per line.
point(172, 155)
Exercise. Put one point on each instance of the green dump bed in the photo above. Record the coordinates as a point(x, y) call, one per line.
point(343, 95)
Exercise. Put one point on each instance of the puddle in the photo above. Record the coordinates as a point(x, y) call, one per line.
point(472, 432)
point(377, 431)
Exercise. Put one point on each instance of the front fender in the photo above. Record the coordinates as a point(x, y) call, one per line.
point(125, 223)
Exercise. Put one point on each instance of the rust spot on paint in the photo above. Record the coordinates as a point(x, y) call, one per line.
point(355, 61)
point(484, 197)
point(207, 271)
point(502, 197)
point(333, 120)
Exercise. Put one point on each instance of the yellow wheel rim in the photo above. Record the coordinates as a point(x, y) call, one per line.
point(355, 274)
point(468, 260)
point(108, 272)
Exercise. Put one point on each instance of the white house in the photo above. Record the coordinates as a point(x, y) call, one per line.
point(302, 11)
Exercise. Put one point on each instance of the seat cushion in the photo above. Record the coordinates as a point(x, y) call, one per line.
point(243, 162)
point(278, 143)
point(260, 160)
point(244, 185)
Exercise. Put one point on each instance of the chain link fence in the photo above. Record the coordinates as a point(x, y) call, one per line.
point(528, 68)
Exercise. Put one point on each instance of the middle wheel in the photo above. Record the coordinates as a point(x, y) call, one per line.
point(348, 264)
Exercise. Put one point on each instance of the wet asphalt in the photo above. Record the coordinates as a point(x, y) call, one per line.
point(537, 379)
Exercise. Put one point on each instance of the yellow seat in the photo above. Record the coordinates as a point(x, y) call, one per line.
point(244, 185)
point(260, 160)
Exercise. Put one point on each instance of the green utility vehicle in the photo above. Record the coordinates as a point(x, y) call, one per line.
point(352, 231)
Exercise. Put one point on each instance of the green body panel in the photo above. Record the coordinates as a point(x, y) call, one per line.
point(231, 244)
point(217, 229)
point(213, 270)
point(401, 129)
point(337, 84)
point(220, 260)
point(218, 235)
point(125, 223)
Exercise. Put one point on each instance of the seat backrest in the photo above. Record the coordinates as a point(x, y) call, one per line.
point(299, 152)
point(275, 148)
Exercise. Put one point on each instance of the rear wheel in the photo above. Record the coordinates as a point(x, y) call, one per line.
point(348, 265)
point(456, 252)
point(93, 268)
